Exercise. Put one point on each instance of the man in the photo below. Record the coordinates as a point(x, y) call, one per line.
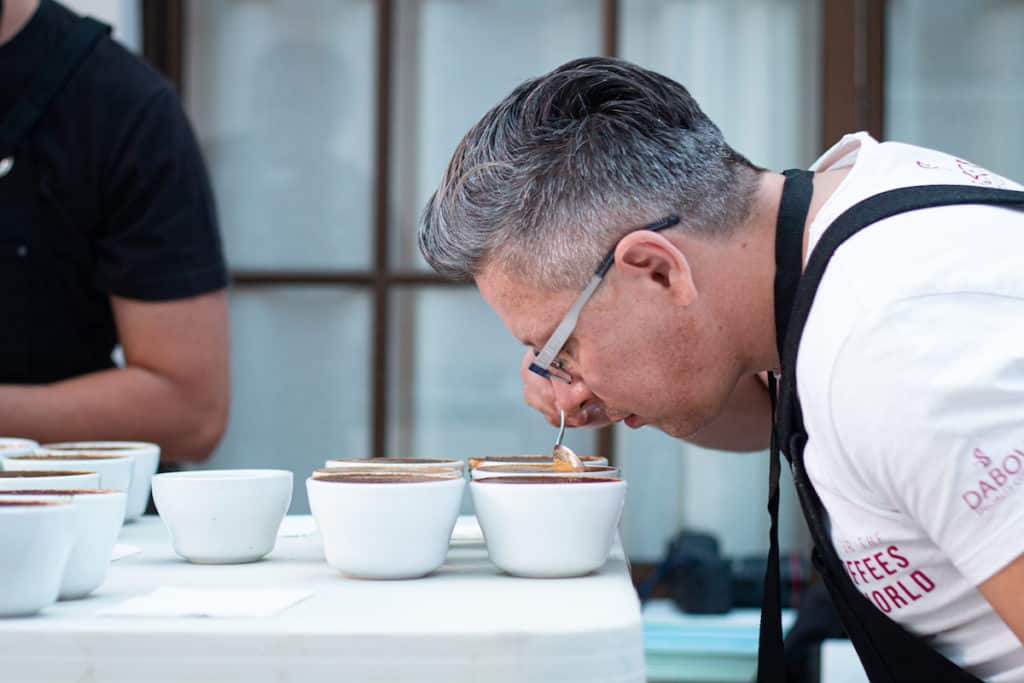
point(911, 363)
point(107, 235)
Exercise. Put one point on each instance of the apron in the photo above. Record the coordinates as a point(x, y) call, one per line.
point(888, 652)
point(42, 272)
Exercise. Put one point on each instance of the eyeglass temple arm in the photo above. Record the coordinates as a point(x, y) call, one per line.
point(564, 329)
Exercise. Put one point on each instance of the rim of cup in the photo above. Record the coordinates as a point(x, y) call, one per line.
point(31, 503)
point(538, 468)
point(59, 492)
point(92, 446)
point(387, 478)
point(223, 475)
point(12, 442)
point(321, 472)
point(20, 474)
point(400, 461)
point(537, 480)
point(42, 454)
point(526, 458)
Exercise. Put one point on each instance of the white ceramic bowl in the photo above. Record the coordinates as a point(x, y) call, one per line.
point(505, 469)
point(548, 527)
point(538, 459)
point(386, 525)
point(223, 516)
point(36, 538)
point(15, 446)
point(97, 522)
point(48, 479)
point(146, 456)
point(367, 464)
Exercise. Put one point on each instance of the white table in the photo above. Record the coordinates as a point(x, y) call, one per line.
point(466, 622)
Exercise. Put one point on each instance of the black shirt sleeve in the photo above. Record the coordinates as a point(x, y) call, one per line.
point(158, 238)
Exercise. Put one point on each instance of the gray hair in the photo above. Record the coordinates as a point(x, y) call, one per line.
point(547, 181)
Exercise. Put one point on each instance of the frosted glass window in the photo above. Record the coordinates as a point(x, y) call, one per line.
point(754, 68)
point(455, 61)
point(456, 390)
point(752, 65)
point(300, 380)
point(281, 94)
point(955, 79)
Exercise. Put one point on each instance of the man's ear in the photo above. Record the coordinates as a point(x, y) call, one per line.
point(652, 260)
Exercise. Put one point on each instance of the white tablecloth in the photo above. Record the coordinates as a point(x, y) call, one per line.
point(466, 622)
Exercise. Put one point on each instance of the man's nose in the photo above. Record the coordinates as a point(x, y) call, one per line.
point(570, 398)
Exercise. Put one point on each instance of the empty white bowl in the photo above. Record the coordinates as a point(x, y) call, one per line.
point(386, 525)
point(223, 516)
point(48, 479)
point(548, 527)
point(146, 458)
point(36, 538)
point(97, 522)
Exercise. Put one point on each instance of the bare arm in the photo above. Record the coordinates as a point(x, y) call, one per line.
point(173, 391)
point(1005, 592)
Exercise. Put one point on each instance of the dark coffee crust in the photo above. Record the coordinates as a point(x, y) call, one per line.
point(440, 462)
point(407, 477)
point(21, 474)
point(29, 503)
point(527, 479)
point(92, 455)
point(58, 492)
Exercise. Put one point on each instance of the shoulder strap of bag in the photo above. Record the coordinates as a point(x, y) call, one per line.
point(32, 105)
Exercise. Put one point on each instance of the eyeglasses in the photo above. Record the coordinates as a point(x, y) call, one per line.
point(545, 358)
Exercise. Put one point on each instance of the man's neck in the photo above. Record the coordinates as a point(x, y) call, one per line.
point(16, 14)
point(755, 321)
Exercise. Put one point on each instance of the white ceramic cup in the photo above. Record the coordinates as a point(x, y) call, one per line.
point(48, 479)
point(36, 538)
point(386, 525)
point(223, 516)
point(98, 515)
point(548, 470)
point(146, 456)
point(528, 459)
point(15, 446)
point(115, 470)
point(548, 527)
point(369, 464)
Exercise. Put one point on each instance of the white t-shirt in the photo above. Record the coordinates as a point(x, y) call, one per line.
point(911, 379)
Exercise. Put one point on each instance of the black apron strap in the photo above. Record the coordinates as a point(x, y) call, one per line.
point(888, 652)
point(32, 104)
point(789, 237)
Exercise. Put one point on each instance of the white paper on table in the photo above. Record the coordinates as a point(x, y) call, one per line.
point(168, 601)
point(122, 550)
point(297, 526)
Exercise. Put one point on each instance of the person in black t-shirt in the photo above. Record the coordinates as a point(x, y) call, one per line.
point(108, 236)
